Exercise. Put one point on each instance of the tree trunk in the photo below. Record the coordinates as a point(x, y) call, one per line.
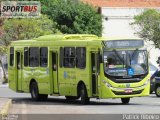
point(4, 73)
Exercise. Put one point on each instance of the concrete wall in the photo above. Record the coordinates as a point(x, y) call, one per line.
point(116, 23)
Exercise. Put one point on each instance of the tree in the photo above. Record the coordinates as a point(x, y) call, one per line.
point(73, 17)
point(148, 26)
point(20, 29)
point(3, 50)
point(1, 24)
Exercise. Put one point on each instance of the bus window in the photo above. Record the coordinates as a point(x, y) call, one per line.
point(11, 56)
point(33, 56)
point(43, 57)
point(81, 57)
point(69, 57)
point(26, 56)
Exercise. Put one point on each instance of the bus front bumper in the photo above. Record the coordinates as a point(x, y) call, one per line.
point(112, 92)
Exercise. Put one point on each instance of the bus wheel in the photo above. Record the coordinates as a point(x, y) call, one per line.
point(83, 95)
point(125, 100)
point(34, 91)
point(157, 91)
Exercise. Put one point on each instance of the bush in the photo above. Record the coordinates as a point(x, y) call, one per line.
point(73, 17)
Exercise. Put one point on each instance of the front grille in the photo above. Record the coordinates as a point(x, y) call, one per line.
point(123, 93)
point(127, 80)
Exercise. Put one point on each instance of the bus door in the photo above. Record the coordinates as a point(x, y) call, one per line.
point(55, 72)
point(19, 60)
point(12, 75)
point(95, 72)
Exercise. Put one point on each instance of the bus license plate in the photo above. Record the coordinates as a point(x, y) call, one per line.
point(128, 90)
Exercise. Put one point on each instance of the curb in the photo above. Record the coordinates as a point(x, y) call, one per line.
point(5, 110)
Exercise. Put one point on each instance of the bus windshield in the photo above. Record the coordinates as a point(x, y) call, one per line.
point(125, 62)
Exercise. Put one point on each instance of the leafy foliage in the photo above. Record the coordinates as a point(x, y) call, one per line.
point(148, 26)
point(73, 17)
point(19, 29)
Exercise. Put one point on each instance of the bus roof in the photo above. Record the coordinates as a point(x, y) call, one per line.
point(65, 38)
point(68, 37)
point(74, 39)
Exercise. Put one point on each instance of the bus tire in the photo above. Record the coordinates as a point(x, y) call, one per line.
point(125, 100)
point(157, 90)
point(34, 91)
point(83, 95)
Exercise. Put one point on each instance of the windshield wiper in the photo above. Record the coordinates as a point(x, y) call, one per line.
point(127, 65)
point(120, 58)
point(104, 44)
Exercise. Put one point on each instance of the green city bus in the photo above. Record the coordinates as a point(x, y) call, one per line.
point(79, 66)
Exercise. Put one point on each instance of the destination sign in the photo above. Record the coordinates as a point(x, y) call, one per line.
point(124, 44)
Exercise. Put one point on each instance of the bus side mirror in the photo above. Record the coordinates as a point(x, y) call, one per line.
point(158, 61)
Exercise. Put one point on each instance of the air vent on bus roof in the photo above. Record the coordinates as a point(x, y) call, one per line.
point(82, 37)
point(67, 37)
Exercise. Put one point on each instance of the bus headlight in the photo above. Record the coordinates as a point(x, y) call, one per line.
point(108, 85)
point(104, 81)
point(146, 82)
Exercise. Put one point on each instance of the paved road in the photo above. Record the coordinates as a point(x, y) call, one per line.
point(22, 104)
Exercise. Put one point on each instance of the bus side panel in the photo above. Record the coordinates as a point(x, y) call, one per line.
point(26, 79)
point(40, 75)
point(72, 82)
point(12, 79)
point(43, 80)
point(64, 81)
